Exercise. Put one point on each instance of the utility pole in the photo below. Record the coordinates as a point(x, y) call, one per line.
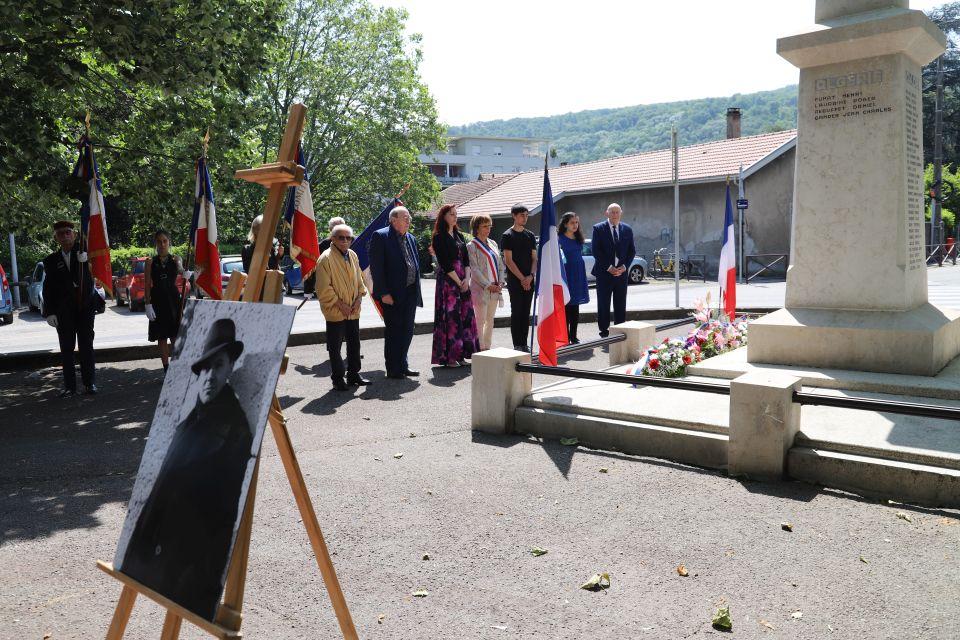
point(676, 215)
point(741, 212)
point(935, 215)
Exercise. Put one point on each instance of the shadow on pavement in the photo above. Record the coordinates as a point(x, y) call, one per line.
point(62, 459)
point(447, 376)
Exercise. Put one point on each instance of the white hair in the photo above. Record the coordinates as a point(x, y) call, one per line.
point(334, 221)
point(341, 227)
point(614, 205)
point(396, 211)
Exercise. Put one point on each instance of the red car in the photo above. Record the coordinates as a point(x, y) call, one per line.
point(128, 285)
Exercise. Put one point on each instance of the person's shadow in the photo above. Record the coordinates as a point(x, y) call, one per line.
point(448, 376)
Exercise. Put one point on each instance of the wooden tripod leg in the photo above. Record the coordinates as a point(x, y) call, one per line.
point(171, 626)
point(230, 612)
point(121, 614)
point(279, 426)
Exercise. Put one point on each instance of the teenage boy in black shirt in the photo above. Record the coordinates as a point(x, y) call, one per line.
point(519, 248)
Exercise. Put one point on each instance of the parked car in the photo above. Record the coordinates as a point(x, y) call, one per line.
point(6, 299)
point(35, 288)
point(128, 284)
point(636, 272)
point(228, 264)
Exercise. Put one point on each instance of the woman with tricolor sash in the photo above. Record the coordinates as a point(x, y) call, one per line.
point(487, 277)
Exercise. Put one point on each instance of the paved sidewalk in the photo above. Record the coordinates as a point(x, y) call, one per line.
point(476, 504)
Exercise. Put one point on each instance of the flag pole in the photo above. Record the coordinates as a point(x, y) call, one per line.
point(205, 143)
point(535, 284)
point(93, 173)
point(676, 215)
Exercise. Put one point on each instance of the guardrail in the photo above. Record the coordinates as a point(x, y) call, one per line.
point(943, 412)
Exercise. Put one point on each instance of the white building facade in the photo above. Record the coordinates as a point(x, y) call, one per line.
point(467, 157)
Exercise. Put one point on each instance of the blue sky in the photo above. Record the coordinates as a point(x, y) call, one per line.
point(508, 58)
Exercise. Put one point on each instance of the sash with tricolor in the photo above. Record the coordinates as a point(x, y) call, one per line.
point(491, 258)
point(203, 233)
point(304, 241)
point(93, 218)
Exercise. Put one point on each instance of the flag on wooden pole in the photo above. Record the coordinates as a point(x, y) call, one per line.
point(93, 218)
point(728, 262)
point(203, 232)
point(304, 241)
point(552, 291)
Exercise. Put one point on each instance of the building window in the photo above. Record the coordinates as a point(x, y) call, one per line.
point(498, 151)
point(475, 149)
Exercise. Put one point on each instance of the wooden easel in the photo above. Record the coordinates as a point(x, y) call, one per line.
point(277, 177)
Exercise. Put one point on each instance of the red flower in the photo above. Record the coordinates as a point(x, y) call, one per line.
point(654, 364)
point(686, 359)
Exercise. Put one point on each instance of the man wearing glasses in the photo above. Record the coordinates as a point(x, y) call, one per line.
point(339, 290)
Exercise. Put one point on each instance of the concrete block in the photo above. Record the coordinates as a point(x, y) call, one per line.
point(763, 423)
point(497, 389)
point(640, 335)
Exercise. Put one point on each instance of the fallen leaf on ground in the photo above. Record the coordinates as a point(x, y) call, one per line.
point(366, 417)
point(786, 526)
point(456, 455)
point(420, 593)
point(721, 619)
point(426, 556)
point(796, 615)
point(766, 624)
point(398, 455)
point(538, 551)
point(380, 618)
point(863, 560)
point(604, 470)
point(569, 442)
point(904, 516)
point(413, 435)
point(598, 582)
point(682, 570)
point(498, 627)
point(378, 459)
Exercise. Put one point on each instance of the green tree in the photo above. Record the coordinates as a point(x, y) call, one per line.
point(947, 17)
point(368, 112)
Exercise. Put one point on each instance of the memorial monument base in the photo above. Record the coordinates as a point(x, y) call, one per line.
point(920, 341)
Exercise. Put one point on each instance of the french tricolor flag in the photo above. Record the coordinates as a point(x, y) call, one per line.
point(203, 232)
point(728, 263)
point(552, 291)
point(304, 242)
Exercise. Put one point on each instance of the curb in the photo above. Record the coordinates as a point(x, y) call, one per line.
point(30, 360)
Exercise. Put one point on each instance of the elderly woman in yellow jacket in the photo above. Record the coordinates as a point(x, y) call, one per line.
point(339, 290)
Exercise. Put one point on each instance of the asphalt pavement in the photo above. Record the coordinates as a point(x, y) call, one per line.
point(476, 505)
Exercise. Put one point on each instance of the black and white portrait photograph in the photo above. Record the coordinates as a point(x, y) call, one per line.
point(204, 440)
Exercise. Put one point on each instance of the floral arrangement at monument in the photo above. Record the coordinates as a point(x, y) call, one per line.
point(714, 334)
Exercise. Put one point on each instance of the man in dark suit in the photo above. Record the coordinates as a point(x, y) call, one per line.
point(613, 252)
point(181, 543)
point(395, 270)
point(70, 303)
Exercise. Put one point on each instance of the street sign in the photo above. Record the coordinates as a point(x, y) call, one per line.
point(742, 203)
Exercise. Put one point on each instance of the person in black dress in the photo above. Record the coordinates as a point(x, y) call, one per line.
point(162, 296)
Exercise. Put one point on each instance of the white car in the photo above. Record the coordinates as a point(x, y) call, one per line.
point(636, 272)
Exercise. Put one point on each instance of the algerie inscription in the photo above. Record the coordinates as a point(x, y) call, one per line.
point(913, 150)
point(848, 95)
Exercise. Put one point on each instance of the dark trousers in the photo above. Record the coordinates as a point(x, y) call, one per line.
point(76, 330)
point(399, 318)
point(520, 302)
point(607, 287)
point(337, 333)
point(572, 312)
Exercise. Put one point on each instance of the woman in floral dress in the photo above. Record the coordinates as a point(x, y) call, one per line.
point(454, 327)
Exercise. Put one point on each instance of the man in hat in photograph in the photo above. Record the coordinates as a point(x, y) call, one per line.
point(70, 304)
point(180, 544)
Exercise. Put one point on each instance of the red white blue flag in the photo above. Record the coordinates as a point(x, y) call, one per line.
point(304, 241)
point(728, 263)
point(552, 291)
point(93, 218)
point(203, 232)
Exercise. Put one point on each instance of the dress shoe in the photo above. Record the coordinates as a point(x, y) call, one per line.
point(410, 372)
point(397, 376)
point(604, 334)
point(357, 379)
point(340, 385)
point(90, 390)
point(68, 393)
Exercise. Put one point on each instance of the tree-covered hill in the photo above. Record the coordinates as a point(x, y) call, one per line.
point(602, 133)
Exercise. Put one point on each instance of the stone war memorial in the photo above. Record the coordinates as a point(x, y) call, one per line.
point(855, 383)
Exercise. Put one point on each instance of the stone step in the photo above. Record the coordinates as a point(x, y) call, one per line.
point(875, 477)
point(699, 448)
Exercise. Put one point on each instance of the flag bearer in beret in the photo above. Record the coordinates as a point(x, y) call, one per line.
point(70, 303)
